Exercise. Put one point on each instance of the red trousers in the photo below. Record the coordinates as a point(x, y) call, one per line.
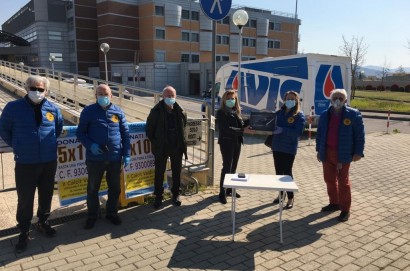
point(337, 181)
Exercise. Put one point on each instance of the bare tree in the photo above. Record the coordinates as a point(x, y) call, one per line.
point(385, 71)
point(400, 70)
point(356, 49)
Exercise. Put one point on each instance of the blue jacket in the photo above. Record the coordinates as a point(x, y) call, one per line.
point(351, 135)
point(31, 143)
point(292, 126)
point(105, 128)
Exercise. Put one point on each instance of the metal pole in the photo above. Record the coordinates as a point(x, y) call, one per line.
point(239, 64)
point(212, 131)
point(106, 70)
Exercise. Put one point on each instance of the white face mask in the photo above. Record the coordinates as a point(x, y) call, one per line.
point(36, 96)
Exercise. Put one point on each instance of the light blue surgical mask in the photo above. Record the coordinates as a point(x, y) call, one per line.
point(230, 103)
point(104, 101)
point(337, 104)
point(290, 104)
point(169, 101)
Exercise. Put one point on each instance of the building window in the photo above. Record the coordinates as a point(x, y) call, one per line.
point(160, 56)
point(160, 34)
point(274, 44)
point(185, 14)
point(245, 42)
point(224, 20)
point(54, 35)
point(69, 5)
point(185, 58)
point(275, 26)
point(185, 36)
point(195, 15)
point(220, 39)
point(195, 37)
point(221, 58)
point(70, 23)
point(252, 23)
point(195, 58)
point(159, 10)
point(252, 42)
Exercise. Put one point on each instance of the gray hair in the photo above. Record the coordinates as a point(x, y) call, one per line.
point(34, 79)
point(168, 87)
point(338, 91)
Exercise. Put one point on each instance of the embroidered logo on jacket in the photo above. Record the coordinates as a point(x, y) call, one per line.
point(50, 116)
point(291, 120)
point(347, 122)
point(115, 118)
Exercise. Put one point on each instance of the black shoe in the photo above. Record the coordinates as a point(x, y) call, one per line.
point(276, 201)
point(331, 208)
point(44, 227)
point(89, 223)
point(22, 243)
point(158, 202)
point(344, 216)
point(115, 219)
point(289, 205)
point(222, 198)
point(229, 193)
point(175, 200)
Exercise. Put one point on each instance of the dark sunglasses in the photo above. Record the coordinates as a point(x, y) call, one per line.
point(37, 89)
point(339, 98)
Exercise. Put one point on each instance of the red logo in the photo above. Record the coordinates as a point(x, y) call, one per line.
point(329, 85)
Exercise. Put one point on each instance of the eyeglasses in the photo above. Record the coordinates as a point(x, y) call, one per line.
point(37, 89)
point(338, 98)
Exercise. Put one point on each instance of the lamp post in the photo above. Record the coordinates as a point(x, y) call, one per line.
point(136, 72)
point(52, 58)
point(104, 47)
point(240, 18)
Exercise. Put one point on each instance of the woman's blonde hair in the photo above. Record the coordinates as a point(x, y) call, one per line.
point(296, 109)
point(224, 98)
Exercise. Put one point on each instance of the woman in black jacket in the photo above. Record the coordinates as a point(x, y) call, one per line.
point(230, 139)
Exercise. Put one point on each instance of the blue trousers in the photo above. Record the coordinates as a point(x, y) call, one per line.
point(96, 170)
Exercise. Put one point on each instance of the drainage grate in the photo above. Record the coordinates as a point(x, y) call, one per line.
point(53, 222)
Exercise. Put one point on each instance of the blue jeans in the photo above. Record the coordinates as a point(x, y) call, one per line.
point(96, 171)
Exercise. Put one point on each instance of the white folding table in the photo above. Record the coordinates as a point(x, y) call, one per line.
point(260, 182)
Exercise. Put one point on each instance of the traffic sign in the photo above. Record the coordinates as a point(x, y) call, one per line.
point(216, 9)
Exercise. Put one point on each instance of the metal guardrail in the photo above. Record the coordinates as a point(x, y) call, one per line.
point(71, 92)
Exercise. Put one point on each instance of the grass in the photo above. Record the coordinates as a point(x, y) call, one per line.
point(382, 101)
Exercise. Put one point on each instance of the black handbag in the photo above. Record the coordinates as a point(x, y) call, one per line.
point(268, 141)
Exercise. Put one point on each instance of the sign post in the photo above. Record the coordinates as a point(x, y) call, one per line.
point(215, 10)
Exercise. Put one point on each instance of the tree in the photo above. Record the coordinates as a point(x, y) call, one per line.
point(356, 49)
point(400, 70)
point(384, 73)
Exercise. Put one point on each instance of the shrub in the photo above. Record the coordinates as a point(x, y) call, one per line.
point(407, 88)
point(380, 88)
point(369, 87)
point(394, 87)
point(401, 89)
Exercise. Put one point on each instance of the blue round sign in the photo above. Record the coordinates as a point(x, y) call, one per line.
point(216, 9)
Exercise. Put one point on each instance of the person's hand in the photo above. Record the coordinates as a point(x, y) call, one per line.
point(127, 161)
point(278, 130)
point(356, 158)
point(95, 149)
point(318, 157)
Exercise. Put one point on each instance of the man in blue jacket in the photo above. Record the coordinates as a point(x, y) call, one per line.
point(103, 131)
point(31, 125)
point(339, 141)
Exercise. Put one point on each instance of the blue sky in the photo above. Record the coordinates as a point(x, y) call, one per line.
point(384, 25)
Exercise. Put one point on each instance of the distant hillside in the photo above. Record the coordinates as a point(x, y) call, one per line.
point(375, 70)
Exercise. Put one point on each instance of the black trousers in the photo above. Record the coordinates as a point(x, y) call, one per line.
point(175, 156)
point(28, 178)
point(283, 165)
point(230, 150)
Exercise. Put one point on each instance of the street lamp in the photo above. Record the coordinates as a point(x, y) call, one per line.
point(136, 72)
point(240, 18)
point(104, 47)
point(52, 58)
